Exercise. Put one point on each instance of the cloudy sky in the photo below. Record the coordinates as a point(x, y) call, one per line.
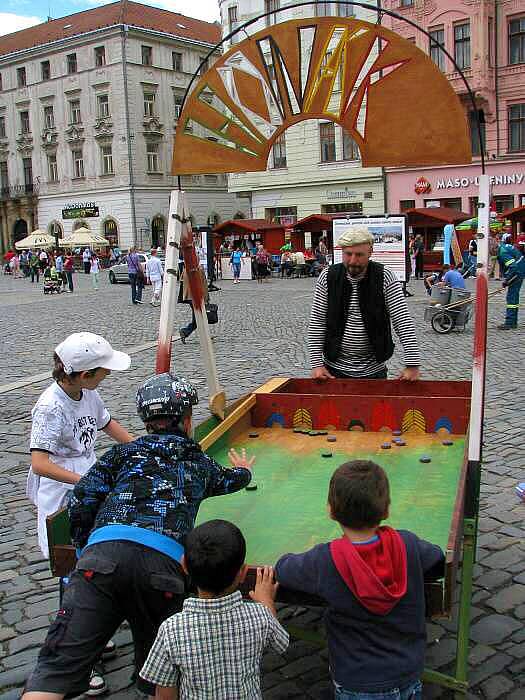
point(19, 14)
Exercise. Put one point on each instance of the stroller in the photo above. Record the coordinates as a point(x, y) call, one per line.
point(52, 281)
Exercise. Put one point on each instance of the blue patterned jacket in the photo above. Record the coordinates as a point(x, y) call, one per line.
point(155, 483)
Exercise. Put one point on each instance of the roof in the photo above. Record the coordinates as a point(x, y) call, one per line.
point(122, 12)
point(435, 216)
point(321, 218)
point(247, 225)
point(517, 214)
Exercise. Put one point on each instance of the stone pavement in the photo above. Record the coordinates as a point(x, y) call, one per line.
point(260, 334)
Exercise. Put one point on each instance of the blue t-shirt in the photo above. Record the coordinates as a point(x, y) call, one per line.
point(454, 279)
point(236, 257)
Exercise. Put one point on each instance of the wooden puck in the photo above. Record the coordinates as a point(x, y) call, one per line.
point(331, 438)
point(396, 432)
point(253, 435)
point(386, 446)
point(251, 487)
point(327, 454)
point(425, 459)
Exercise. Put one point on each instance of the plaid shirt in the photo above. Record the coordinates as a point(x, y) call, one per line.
point(213, 648)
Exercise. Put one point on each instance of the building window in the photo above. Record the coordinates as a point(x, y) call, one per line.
point(21, 79)
point(152, 157)
point(407, 3)
point(149, 104)
point(52, 167)
point(71, 63)
point(25, 126)
point(282, 215)
point(474, 134)
point(1, 83)
point(49, 117)
point(74, 112)
point(100, 56)
point(2, 127)
point(106, 155)
point(517, 127)
point(342, 208)
point(147, 55)
point(176, 60)
point(27, 164)
point(204, 67)
point(279, 152)
point(4, 177)
point(436, 52)
point(503, 202)
point(271, 6)
point(517, 40)
point(45, 70)
point(350, 147)
point(78, 163)
point(232, 18)
point(178, 105)
point(327, 139)
point(103, 105)
point(462, 45)
point(405, 204)
point(345, 10)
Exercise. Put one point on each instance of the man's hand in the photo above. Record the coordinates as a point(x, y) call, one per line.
point(240, 460)
point(265, 588)
point(321, 374)
point(410, 374)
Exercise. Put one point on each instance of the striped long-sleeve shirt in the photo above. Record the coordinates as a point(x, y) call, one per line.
point(357, 358)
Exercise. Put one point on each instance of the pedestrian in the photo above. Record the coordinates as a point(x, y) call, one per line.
point(68, 270)
point(155, 273)
point(117, 253)
point(493, 256)
point(24, 263)
point(185, 298)
point(412, 254)
point(216, 629)
point(286, 263)
point(34, 268)
point(66, 420)
point(136, 276)
point(44, 260)
point(372, 582)
point(452, 278)
point(236, 261)
point(59, 264)
point(94, 269)
point(513, 264)
point(14, 264)
point(129, 517)
point(419, 247)
point(355, 304)
point(86, 260)
point(262, 263)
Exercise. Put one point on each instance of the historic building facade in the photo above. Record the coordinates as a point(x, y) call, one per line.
point(89, 105)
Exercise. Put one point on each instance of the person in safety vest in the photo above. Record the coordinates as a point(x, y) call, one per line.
point(512, 263)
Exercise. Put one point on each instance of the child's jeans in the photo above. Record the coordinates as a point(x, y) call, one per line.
point(410, 692)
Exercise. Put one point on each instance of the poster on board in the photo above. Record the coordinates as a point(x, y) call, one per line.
point(390, 234)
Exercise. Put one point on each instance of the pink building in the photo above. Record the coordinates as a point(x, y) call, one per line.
point(487, 40)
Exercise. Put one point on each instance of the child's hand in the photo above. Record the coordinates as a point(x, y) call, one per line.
point(265, 588)
point(240, 460)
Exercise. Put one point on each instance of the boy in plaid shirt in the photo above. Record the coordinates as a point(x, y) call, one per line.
point(213, 648)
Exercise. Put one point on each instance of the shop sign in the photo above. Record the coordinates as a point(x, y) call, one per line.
point(340, 194)
point(80, 210)
point(422, 186)
point(459, 182)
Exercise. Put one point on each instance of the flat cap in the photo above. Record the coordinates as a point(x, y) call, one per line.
point(355, 235)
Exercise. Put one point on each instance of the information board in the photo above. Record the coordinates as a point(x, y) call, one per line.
point(390, 240)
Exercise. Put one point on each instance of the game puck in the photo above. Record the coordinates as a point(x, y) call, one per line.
point(386, 446)
point(425, 459)
point(396, 432)
point(327, 454)
point(322, 432)
point(253, 435)
point(400, 443)
point(298, 430)
point(251, 487)
point(331, 438)
point(396, 440)
point(447, 443)
point(313, 433)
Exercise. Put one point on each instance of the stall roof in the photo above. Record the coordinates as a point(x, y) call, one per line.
point(248, 225)
point(317, 219)
point(435, 216)
point(516, 214)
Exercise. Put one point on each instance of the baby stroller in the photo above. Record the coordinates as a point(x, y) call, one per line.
point(52, 282)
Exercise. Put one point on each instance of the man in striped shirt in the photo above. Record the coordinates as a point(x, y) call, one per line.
point(355, 304)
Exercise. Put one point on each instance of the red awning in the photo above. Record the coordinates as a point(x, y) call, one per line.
point(247, 225)
point(435, 216)
point(516, 214)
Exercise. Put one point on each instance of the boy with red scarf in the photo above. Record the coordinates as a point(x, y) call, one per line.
point(372, 580)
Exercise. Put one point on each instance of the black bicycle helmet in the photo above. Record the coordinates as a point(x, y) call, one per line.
point(165, 395)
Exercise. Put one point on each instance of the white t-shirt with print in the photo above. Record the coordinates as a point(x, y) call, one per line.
point(67, 430)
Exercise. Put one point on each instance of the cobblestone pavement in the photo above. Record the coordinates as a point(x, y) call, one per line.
point(261, 334)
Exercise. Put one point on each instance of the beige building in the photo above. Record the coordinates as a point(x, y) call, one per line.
point(89, 105)
point(315, 167)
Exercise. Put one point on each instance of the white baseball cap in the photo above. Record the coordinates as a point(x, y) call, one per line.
point(80, 352)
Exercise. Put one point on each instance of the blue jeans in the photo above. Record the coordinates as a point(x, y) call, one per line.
point(136, 287)
point(410, 692)
point(236, 270)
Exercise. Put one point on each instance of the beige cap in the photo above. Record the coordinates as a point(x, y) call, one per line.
point(355, 235)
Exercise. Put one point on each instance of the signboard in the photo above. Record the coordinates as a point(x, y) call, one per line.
point(390, 240)
point(80, 210)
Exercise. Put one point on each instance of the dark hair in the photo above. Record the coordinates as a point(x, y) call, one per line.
point(60, 375)
point(214, 553)
point(359, 494)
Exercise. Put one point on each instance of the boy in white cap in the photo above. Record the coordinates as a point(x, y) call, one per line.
point(66, 419)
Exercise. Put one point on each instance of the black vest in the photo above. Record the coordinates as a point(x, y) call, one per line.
point(372, 306)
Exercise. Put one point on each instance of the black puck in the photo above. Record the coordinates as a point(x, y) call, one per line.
point(425, 459)
point(386, 446)
point(331, 438)
point(253, 435)
point(251, 487)
point(447, 443)
point(396, 432)
point(327, 454)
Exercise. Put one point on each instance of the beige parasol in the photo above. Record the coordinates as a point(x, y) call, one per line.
point(37, 239)
point(83, 236)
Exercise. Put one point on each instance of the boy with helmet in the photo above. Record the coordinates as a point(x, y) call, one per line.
point(129, 517)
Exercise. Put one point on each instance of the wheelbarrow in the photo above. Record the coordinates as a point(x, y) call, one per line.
point(455, 313)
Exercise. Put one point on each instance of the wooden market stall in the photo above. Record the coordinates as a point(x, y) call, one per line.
point(429, 223)
point(516, 217)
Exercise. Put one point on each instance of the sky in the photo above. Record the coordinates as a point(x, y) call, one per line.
point(19, 14)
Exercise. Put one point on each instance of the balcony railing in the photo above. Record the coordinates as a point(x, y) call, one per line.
point(17, 191)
